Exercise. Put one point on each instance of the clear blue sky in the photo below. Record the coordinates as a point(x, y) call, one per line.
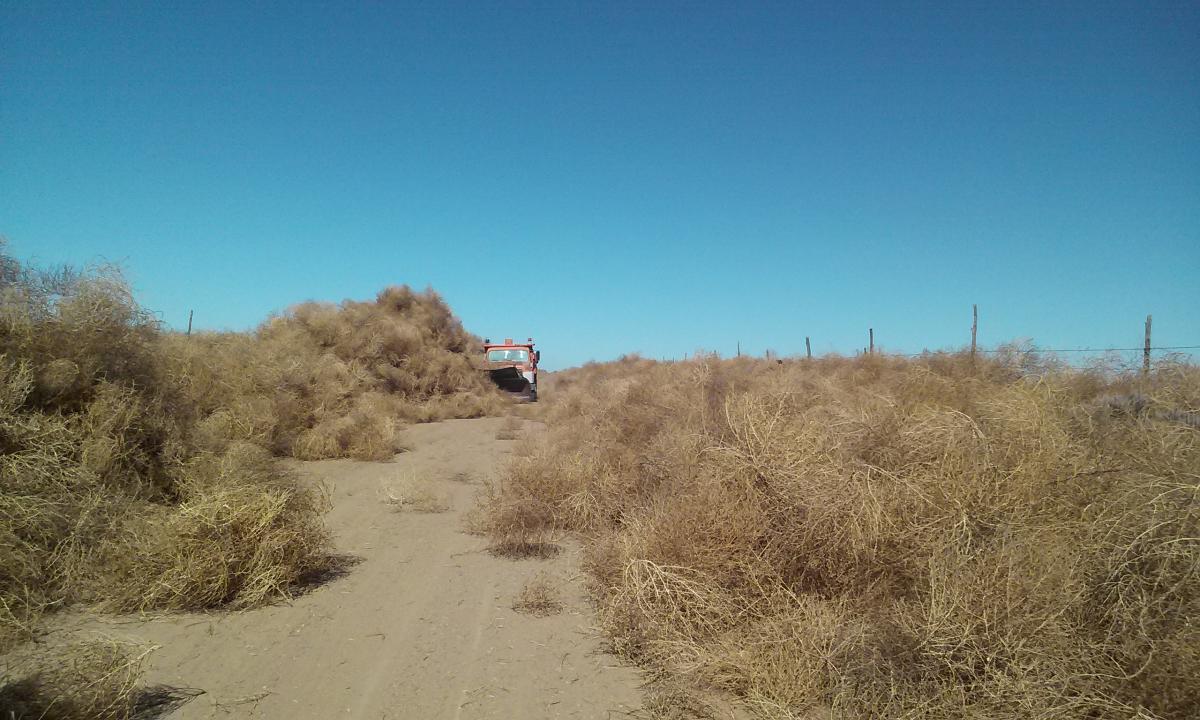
point(613, 177)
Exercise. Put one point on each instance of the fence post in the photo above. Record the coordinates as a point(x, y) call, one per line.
point(739, 351)
point(974, 328)
point(189, 332)
point(1146, 350)
point(871, 333)
point(807, 347)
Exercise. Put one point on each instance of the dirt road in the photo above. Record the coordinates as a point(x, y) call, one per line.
point(421, 627)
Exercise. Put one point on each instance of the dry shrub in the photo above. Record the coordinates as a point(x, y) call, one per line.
point(414, 494)
point(93, 680)
point(518, 524)
point(510, 429)
point(324, 380)
point(527, 411)
point(119, 487)
point(883, 537)
point(473, 403)
point(364, 434)
point(675, 705)
point(539, 597)
point(136, 463)
point(245, 531)
point(85, 427)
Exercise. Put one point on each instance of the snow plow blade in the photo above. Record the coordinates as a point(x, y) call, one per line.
point(509, 379)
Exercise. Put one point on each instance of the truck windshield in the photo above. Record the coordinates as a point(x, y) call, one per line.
point(508, 355)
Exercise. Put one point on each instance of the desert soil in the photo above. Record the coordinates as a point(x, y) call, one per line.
point(422, 626)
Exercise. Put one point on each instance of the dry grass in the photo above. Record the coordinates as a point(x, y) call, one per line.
point(94, 680)
point(510, 429)
point(114, 491)
point(325, 380)
point(880, 537)
point(527, 411)
point(518, 523)
point(410, 493)
point(678, 703)
point(540, 597)
point(137, 464)
point(245, 532)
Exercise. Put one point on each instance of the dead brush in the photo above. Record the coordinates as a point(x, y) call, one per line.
point(93, 680)
point(539, 597)
point(245, 532)
point(883, 537)
point(324, 380)
point(362, 435)
point(130, 473)
point(678, 703)
point(519, 525)
point(137, 463)
point(409, 493)
point(510, 429)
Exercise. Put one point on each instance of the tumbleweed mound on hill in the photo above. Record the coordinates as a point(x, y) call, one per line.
point(137, 463)
point(107, 495)
point(324, 380)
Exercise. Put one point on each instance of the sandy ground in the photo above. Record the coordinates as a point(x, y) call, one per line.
point(421, 627)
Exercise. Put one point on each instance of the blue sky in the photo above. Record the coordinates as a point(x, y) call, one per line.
point(614, 177)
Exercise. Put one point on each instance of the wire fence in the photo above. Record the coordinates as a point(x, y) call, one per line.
point(1132, 349)
point(1103, 355)
point(1037, 349)
point(1146, 350)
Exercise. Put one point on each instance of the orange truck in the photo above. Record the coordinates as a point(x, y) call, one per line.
point(513, 366)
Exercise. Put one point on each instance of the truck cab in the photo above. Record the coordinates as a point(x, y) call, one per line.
point(513, 366)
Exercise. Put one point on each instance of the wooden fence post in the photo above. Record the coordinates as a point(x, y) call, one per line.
point(1146, 350)
point(807, 347)
point(871, 333)
point(189, 332)
point(974, 328)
